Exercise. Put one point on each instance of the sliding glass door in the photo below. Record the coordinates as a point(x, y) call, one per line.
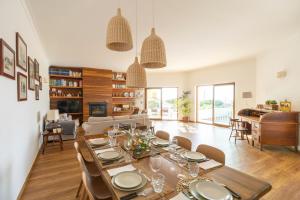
point(215, 103)
point(161, 103)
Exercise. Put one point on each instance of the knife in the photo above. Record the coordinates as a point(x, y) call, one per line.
point(129, 196)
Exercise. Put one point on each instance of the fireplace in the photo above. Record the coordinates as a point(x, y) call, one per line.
point(98, 109)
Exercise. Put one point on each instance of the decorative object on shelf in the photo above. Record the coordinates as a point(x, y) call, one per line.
point(36, 70)
point(22, 86)
point(285, 106)
point(41, 82)
point(37, 92)
point(7, 60)
point(185, 106)
point(136, 74)
point(118, 34)
point(31, 74)
point(153, 53)
point(271, 105)
point(21, 49)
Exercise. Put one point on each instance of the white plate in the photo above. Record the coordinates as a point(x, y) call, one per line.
point(194, 155)
point(203, 189)
point(128, 180)
point(109, 155)
point(98, 141)
point(160, 142)
point(144, 182)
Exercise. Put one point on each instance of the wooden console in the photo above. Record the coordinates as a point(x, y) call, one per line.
point(272, 127)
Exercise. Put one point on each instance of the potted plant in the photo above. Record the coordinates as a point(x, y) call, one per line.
point(271, 104)
point(185, 106)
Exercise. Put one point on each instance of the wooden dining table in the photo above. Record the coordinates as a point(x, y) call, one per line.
point(248, 187)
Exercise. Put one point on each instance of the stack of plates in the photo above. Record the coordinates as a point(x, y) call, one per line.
point(129, 181)
point(109, 155)
point(193, 156)
point(203, 189)
point(98, 142)
point(160, 142)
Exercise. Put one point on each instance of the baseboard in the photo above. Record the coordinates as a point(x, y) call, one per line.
point(28, 175)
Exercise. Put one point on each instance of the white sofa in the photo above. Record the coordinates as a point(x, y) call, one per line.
point(96, 125)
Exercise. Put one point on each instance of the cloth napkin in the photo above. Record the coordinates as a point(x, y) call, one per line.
point(126, 168)
point(209, 164)
point(96, 139)
point(169, 147)
point(180, 196)
point(98, 151)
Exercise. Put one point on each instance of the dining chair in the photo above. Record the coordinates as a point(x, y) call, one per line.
point(212, 153)
point(90, 165)
point(94, 185)
point(184, 142)
point(238, 130)
point(162, 135)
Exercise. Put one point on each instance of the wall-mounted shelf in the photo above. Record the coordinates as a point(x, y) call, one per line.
point(64, 97)
point(63, 76)
point(65, 87)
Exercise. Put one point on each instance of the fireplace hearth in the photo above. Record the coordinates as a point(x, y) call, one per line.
point(98, 109)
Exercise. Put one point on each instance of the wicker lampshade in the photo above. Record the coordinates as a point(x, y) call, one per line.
point(118, 35)
point(136, 75)
point(153, 54)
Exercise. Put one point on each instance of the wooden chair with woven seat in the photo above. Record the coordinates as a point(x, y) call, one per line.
point(162, 135)
point(184, 142)
point(90, 165)
point(239, 128)
point(94, 185)
point(212, 153)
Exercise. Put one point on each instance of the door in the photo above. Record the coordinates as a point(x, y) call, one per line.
point(161, 103)
point(215, 103)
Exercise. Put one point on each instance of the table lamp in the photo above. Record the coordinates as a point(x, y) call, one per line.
point(52, 115)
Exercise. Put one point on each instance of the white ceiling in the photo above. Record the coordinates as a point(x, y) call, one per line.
point(197, 33)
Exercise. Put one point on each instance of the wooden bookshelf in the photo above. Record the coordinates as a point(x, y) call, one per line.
point(63, 82)
point(122, 97)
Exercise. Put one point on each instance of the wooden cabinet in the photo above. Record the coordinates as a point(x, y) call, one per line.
point(272, 127)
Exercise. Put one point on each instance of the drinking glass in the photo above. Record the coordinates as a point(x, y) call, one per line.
point(127, 144)
point(181, 161)
point(173, 148)
point(112, 140)
point(133, 127)
point(155, 163)
point(158, 182)
point(193, 169)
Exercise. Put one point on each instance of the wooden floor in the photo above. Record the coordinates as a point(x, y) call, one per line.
point(56, 176)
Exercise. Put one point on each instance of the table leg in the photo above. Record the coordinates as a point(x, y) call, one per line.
point(45, 138)
point(61, 142)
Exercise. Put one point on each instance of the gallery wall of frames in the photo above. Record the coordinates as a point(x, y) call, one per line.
point(28, 78)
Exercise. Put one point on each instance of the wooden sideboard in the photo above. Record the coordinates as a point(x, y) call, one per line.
point(272, 127)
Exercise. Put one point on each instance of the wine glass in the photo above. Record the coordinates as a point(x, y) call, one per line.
point(116, 127)
point(173, 148)
point(133, 127)
point(155, 163)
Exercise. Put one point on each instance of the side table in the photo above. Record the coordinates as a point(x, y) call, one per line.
point(48, 133)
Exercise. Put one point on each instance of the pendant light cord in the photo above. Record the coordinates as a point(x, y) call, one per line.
point(153, 18)
point(136, 27)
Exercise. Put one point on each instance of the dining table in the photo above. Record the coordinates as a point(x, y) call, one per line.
point(246, 186)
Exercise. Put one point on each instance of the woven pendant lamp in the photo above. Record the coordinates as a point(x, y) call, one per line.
point(118, 34)
point(153, 54)
point(136, 75)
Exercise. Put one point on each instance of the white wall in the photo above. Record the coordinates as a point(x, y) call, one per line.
point(242, 73)
point(19, 128)
point(285, 56)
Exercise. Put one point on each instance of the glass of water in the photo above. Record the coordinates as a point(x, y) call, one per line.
point(193, 169)
point(112, 140)
point(158, 182)
point(181, 161)
point(173, 148)
point(155, 163)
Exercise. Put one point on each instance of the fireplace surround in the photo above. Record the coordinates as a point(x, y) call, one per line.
point(98, 109)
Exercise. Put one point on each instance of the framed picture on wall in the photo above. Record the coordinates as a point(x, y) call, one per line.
point(31, 74)
point(37, 92)
point(40, 82)
point(21, 49)
point(37, 70)
point(22, 87)
point(7, 60)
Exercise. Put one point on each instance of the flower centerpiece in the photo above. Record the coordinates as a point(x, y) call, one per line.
point(138, 143)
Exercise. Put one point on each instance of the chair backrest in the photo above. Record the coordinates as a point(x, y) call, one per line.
point(82, 163)
point(162, 135)
point(212, 153)
point(85, 183)
point(184, 142)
